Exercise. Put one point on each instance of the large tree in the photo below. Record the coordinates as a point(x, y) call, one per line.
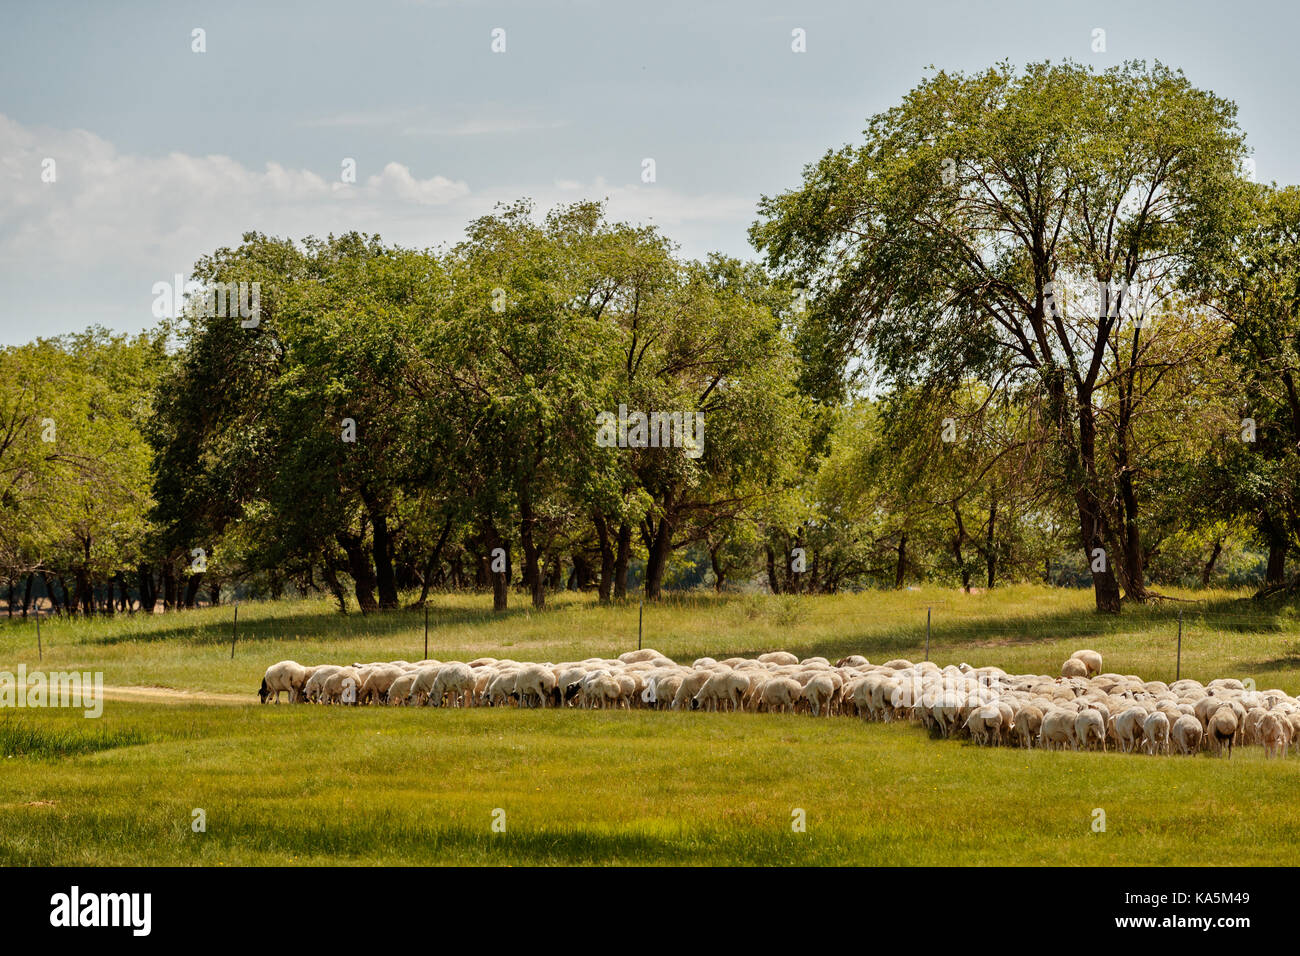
point(1012, 226)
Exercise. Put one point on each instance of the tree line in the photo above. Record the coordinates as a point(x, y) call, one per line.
point(1041, 324)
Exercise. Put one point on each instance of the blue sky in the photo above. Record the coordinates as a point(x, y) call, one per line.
point(163, 154)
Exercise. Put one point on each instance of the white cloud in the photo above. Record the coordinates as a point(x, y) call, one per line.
point(82, 248)
point(488, 119)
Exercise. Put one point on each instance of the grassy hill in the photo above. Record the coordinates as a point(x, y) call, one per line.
point(332, 785)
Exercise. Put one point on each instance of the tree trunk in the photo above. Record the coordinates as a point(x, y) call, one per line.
point(363, 576)
point(990, 554)
point(902, 561)
point(605, 584)
point(500, 579)
point(532, 571)
point(1133, 566)
point(580, 578)
point(27, 595)
point(773, 584)
point(169, 584)
point(432, 564)
point(959, 536)
point(1093, 528)
point(382, 548)
point(148, 596)
point(49, 593)
point(657, 560)
point(719, 572)
point(331, 576)
point(1275, 573)
point(1208, 570)
point(192, 588)
point(622, 558)
point(85, 600)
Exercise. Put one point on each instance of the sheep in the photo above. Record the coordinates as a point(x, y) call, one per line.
point(1155, 733)
point(602, 691)
point(501, 688)
point(1028, 722)
point(728, 687)
point(1091, 661)
point(1222, 728)
point(1089, 726)
point(1074, 668)
point(984, 724)
point(781, 694)
point(817, 692)
point(1057, 730)
point(1087, 710)
point(315, 686)
point(451, 681)
point(1129, 728)
point(689, 687)
point(1186, 734)
point(285, 676)
point(534, 681)
point(377, 683)
point(400, 689)
point(336, 684)
point(666, 686)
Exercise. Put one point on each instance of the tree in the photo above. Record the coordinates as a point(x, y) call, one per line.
point(1253, 286)
point(944, 243)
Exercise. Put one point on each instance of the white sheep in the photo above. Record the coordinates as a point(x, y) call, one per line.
point(1155, 733)
point(1186, 734)
point(817, 692)
point(285, 676)
point(1091, 661)
point(535, 682)
point(726, 687)
point(1222, 728)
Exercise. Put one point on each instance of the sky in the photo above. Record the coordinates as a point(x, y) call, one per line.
point(162, 154)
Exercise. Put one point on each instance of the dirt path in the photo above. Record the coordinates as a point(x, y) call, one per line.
point(169, 695)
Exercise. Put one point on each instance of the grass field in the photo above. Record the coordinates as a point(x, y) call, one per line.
point(330, 785)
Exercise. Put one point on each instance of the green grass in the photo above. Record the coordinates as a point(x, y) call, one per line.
point(20, 739)
point(317, 785)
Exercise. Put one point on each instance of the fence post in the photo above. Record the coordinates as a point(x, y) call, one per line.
point(1178, 668)
point(640, 618)
point(927, 633)
point(426, 632)
point(234, 632)
point(40, 654)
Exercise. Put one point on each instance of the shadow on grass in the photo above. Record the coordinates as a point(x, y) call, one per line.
point(518, 846)
point(261, 624)
point(1227, 616)
point(20, 739)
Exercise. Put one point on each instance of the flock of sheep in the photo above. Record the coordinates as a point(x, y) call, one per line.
point(1083, 709)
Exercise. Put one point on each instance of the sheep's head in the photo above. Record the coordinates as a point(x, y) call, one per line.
point(263, 692)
